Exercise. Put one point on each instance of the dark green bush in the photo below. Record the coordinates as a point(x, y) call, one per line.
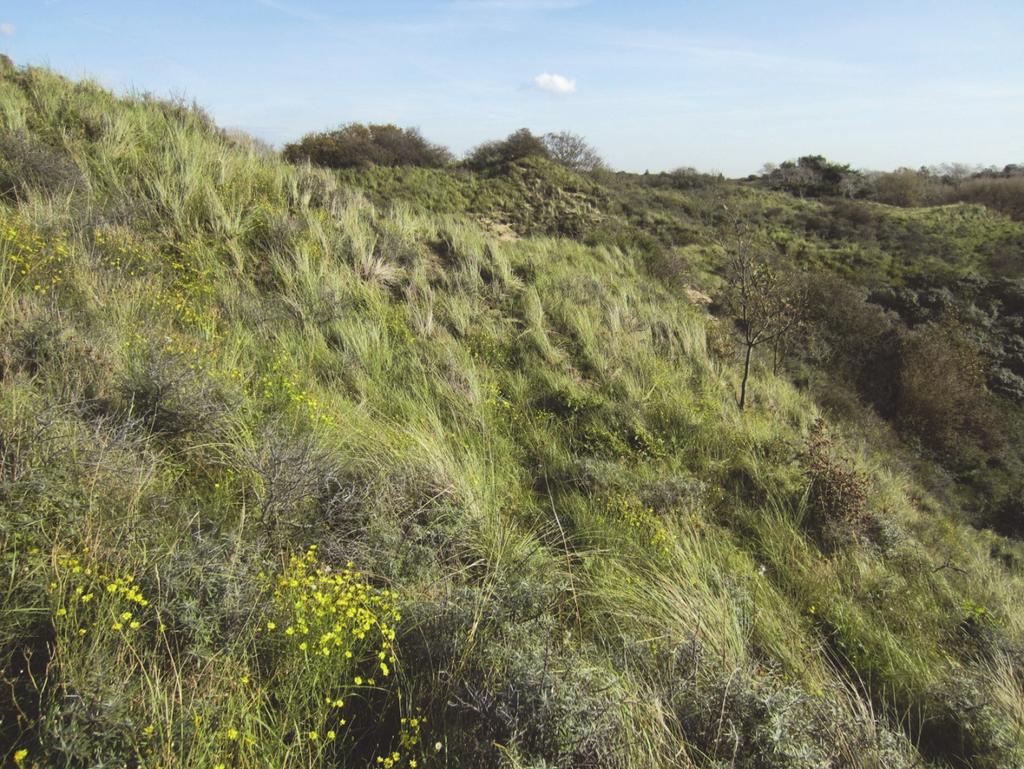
point(941, 391)
point(813, 176)
point(359, 146)
point(495, 155)
point(510, 687)
point(752, 717)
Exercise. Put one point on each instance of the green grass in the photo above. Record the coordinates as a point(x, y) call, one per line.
point(213, 361)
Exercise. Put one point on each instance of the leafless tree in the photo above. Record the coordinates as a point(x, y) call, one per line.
point(572, 151)
point(765, 302)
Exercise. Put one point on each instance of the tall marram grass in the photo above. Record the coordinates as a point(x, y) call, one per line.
point(292, 479)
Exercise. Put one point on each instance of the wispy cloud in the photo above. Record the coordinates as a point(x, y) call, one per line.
point(713, 53)
point(516, 5)
point(552, 83)
point(6, 29)
point(294, 11)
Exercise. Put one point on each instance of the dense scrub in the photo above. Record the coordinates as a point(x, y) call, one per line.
point(359, 146)
point(304, 468)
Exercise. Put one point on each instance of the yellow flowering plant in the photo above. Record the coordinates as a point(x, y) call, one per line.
point(33, 261)
point(333, 631)
point(86, 599)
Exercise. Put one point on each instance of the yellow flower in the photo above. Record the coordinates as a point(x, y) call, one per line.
point(314, 736)
point(271, 625)
point(331, 734)
point(437, 747)
point(19, 755)
point(232, 733)
point(358, 680)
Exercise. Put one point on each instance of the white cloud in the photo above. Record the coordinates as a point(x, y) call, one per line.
point(6, 29)
point(554, 83)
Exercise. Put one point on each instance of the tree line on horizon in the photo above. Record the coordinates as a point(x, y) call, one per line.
point(358, 145)
point(814, 176)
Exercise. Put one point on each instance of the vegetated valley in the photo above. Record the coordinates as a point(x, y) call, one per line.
point(417, 463)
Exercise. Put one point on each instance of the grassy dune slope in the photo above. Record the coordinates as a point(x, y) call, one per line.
point(290, 479)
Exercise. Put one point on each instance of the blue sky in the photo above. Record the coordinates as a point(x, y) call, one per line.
point(724, 85)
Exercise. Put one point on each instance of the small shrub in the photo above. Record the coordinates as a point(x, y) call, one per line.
point(853, 339)
point(675, 493)
point(28, 164)
point(671, 267)
point(837, 492)
point(941, 391)
point(519, 690)
point(171, 397)
point(1008, 514)
point(752, 717)
point(1006, 383)
point(289, 475)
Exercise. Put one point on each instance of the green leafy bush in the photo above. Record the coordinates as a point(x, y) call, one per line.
point(941, 390)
